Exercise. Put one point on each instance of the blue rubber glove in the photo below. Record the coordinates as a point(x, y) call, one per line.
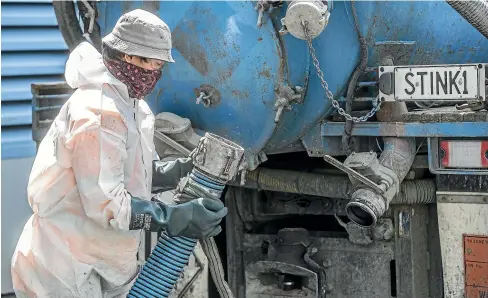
point(199, 218)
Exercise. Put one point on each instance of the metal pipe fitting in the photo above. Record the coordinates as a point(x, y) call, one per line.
point(398, 154)
point(217, 158)
point(313, 12)
point(366, 207)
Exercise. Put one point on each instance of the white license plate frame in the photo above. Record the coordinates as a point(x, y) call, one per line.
point(447, 82)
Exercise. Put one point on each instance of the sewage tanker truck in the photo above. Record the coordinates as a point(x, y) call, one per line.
point(365, 136)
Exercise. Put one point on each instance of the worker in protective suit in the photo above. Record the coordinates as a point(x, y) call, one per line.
point(90, 185)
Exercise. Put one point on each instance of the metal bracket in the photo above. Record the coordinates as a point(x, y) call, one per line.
point(386, 83)
point(207, 95)
point(462, 197)
point(255, 269)
point(204, 99)
point(265, 6)
point(286, 96)
point(472, 106)
point(175, 145)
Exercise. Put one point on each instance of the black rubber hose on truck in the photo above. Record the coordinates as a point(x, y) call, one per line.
point(331, 186)
point(475, 12)
point(69, 25)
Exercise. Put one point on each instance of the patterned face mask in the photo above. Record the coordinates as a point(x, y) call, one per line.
point(139, 81)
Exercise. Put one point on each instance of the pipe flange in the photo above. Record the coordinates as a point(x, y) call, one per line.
point(366, 207)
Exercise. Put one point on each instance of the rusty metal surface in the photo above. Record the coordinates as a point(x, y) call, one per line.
point(366, 268)
point(462, 183)
point(47, 100)
point(445, 114)
point(476, 265)
point(456, 221)
point(262, 276)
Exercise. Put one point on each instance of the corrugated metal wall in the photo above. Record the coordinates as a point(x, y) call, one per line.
point(33, 51)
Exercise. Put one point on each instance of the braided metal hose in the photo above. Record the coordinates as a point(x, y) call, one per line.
point(475, 12)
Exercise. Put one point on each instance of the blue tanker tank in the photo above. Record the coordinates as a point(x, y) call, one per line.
point(219, 49)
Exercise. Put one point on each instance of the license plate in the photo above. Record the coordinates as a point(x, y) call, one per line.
point(438, 82)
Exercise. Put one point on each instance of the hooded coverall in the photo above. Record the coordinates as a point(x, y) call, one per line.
point(97, 154)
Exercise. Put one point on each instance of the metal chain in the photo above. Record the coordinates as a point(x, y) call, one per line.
point(329, 94)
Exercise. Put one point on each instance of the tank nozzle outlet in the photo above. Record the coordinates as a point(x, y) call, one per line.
point(366, 207)
point(313, 12)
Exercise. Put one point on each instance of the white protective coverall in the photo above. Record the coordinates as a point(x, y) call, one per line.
point(97, 153)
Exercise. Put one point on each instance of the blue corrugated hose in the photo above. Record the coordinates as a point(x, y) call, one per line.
point(168, 258)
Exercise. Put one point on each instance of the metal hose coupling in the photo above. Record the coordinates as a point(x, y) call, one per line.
point(365, 207)
point(217, 158)
point(375, 185)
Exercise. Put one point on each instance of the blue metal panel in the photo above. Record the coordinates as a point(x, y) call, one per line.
point(33, 51)
point(34, 15)
point(27, 1)
point(24, 64)
point(16, 113)
point(414, 129)
point(19, 88)
point(32, 39)
point(17, 142)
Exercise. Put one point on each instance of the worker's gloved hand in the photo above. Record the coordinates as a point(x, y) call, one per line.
point(196, 219)
point(167, 174)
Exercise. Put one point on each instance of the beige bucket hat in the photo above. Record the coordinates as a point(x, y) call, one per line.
point(141, 33)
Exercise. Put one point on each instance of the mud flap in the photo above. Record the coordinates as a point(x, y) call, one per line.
point(463, 231)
